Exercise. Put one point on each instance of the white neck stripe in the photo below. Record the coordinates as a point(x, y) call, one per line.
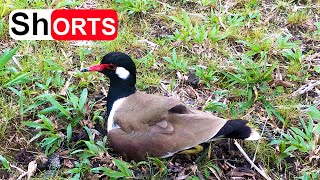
point(111, 123)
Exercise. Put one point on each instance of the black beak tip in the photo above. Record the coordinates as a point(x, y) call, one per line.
point(84, 70)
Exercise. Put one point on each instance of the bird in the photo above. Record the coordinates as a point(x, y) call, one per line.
point(141, 125)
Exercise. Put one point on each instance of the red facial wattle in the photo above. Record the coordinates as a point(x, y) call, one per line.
point(100, 67)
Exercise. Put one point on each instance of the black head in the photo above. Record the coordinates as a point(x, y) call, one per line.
point(121, 70)
point(117, 66)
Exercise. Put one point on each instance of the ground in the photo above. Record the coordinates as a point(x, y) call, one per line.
point(254, 60)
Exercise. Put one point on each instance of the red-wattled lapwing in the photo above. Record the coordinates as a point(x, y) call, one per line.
point(141, 125)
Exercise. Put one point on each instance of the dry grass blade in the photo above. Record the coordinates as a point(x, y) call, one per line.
point(64, 90)
point(250, 161)
point(214, 172)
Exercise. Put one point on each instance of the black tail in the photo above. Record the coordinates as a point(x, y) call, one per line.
point(237, 129)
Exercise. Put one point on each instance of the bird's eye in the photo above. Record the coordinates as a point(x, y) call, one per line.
point(111, 66)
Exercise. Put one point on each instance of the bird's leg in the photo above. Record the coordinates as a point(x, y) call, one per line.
point(195, 150)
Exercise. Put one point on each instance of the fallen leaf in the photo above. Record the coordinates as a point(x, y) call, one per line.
point(64, 153)
point(32, 167)
point(241, 172)
point(105, 159)
point(194, 168)
point(278, 80)
point(68, 163)
point(87, 122)
point(181, 175)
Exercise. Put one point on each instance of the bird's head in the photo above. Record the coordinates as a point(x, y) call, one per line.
point(117, 66)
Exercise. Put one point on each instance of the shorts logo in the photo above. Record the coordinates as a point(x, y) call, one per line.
point(34, 24)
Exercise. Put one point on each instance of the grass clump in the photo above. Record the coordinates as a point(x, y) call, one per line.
point(297, 18)
point(136, 6)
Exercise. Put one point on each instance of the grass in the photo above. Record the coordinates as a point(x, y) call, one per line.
point(249, 56)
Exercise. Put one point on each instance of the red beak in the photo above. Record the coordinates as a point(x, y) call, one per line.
point(98, 67)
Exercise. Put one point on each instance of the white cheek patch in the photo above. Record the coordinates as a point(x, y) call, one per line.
point(122, 72)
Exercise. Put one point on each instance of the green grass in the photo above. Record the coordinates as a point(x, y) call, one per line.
point(297, 18)
point(236, 49)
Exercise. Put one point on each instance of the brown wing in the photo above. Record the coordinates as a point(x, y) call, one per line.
point(159, 126)
point(140, 110)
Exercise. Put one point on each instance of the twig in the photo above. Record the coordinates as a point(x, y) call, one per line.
point(266, 130)
point(233, 167)
point(262, 132)
point(305, 88)
point(19, 169)
point(295, 8)
point(33, 152)
point(22, 175)
point(249, 160)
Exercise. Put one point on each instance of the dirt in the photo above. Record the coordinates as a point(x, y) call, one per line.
point(307, 44)
point(226, 155)
point(161, 29)
point(80, 135)
point(4, 174)
point(24, 157)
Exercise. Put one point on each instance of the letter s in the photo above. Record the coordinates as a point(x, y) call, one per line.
point(25, 25)
point(110, 26)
